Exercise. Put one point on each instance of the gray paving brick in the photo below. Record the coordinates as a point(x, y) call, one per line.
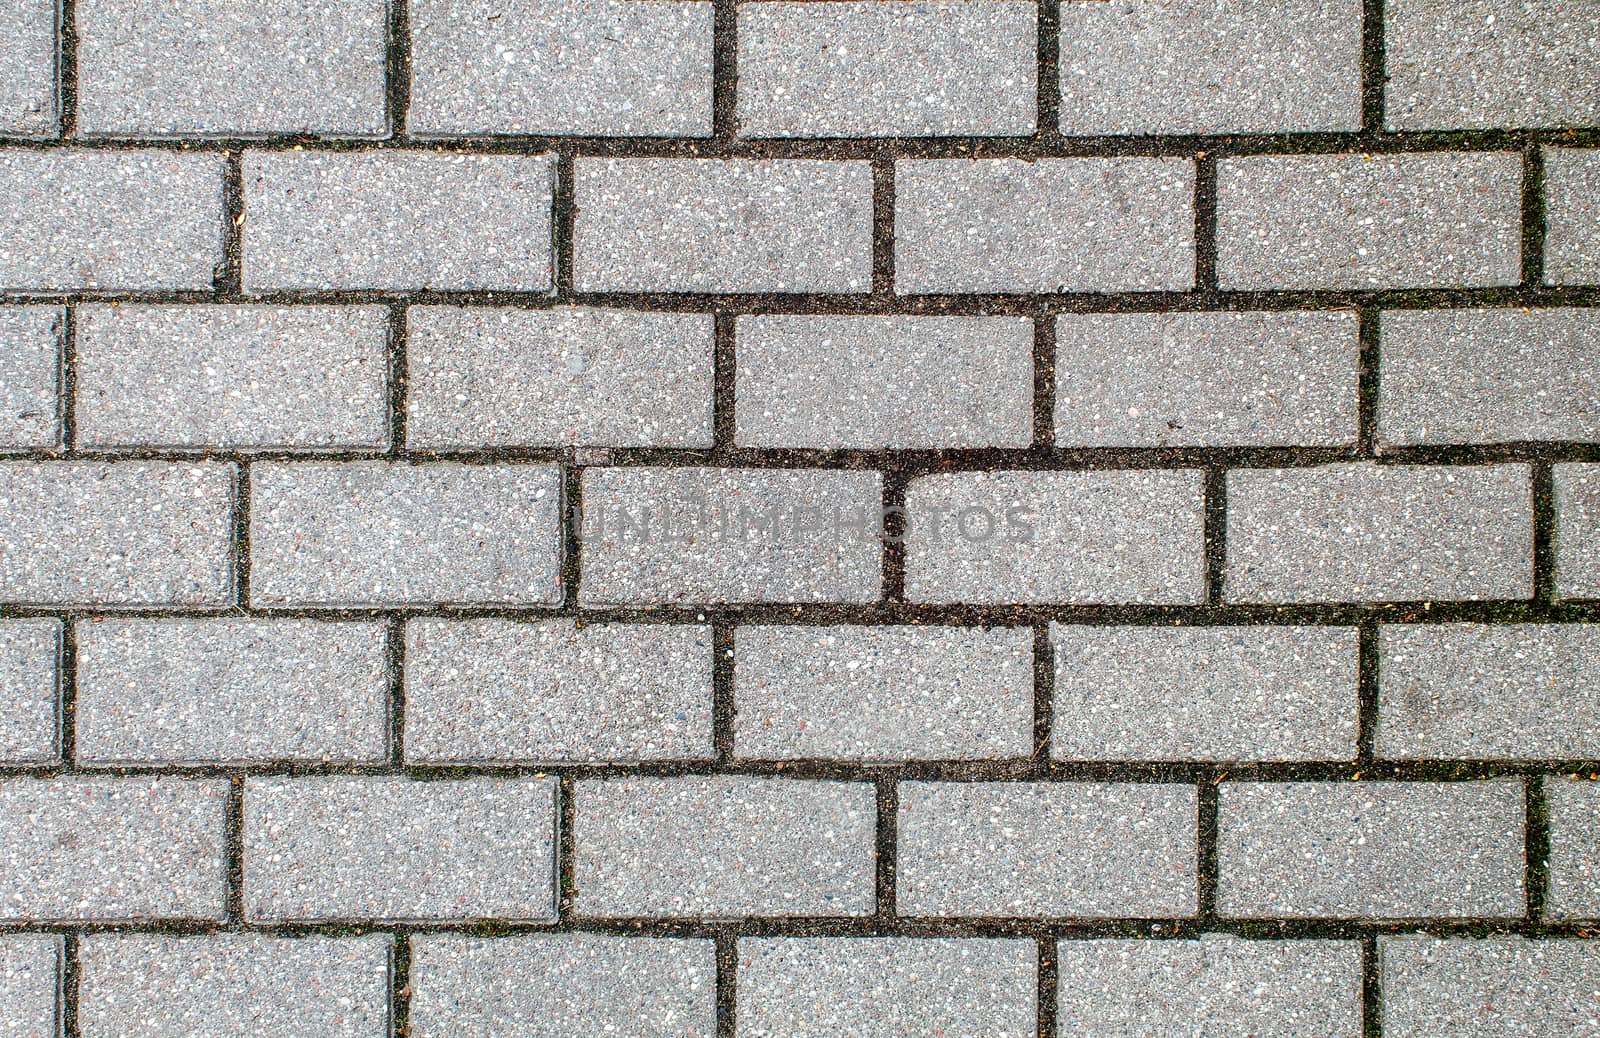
point(374, 847)
point(1489, 691)
point(30, 687)
point(109, 220)
point(397, 220)
point(1047, 849)
point(1052, 225)
point(570, 377)
point(381, 534)
point(1206, 379)
point(718, 225)
point(221, 68)
point(1210, 66)
point(30, 376)
point(883, 69)
point(591, 67)
point(1573, 806)
point(1577, 504)
point(883, 693)
point(901, 382)
point(1214, 985)
point(272, 987)
point(1079, 537)
point(1204, 693)
point(1572, 215)
point(229, 690)
point(1366, 533)
point(194, 377)
point(137, 533)
point(28, 71)
point(674, 535)
point(555, 986)
point(30, 985)
point(886, 987)
point(1448, 219)
point(1479, 64)
point(1500, 985)
point(494, 690)
point(111, 849)
point(724, 847)
point(1370, 850)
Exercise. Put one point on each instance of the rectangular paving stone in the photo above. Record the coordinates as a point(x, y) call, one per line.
point(235, 983)
point(898, 382)
point(222, 68)
point(1573, 806)
point(723, 225)
point(1051, 225)
point(1370, 850)
point(1100, 537)
point(1488, 376)
point(1275, 693)
point(30, 985)
point(677, 535)
point(1214, 985)
point(883, 693)
point(28, 105)
point(1210, 66)
point(478, 377)
point(1206, 379)
point(397, 220)
point(887, 987)
point(1572, 214)
point(1577, 505)
point(234, 377)
point(230, 690)
point(591, 67)
point(724, 847)
point(30, 376)
point(1357, 532)
point(883, 69)
point(1468, 987)
point(494, 690)
point(382, 534)
point(1417, 220)
point(137, 219)
point(1047, 850)
point(332, 847)
point(111, 849)
point(1489, 691)
point(30, 688)
point(136, 533)
point(567, 984)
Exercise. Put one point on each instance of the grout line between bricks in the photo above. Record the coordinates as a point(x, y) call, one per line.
point(67, 708)
point(885, 861)
point(1205, 221)
point(1368, 375)
point(724, 74)
point(241, 537)
point(1215, 536)
point(566, 850)
point(896, 524)
point(1206, 833)
point(883, 228)
point(723, 703)
point(67, 66)
point(229, 281)
point(1367, 664)
point(1044, 693)
point(1544, 532)
point(727, 948)
point(67, 395)
point(394, 650)
point(400, 984)
point(69, 985)
point(233, 827)
point(1374, 68)
point(724, 402)
point(397, 68)
point(1047, 104)
point(1049, 974)
point(1371, 989)
point(1536, 845)
point(1044, 382)
point(1533, 216)
point(562, 229)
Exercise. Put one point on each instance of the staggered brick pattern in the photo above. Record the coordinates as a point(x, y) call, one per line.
point(1007, 518)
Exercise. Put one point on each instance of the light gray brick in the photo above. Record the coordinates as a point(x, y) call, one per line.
point(1080, 537)
point(144, 533)
point(554, 986)
point(582, 67)
point(28, 105)
point(30, 688)
point(1483, 64)
point(724, 847)
point(1272, 693)
point(109, 220)
point(883, 693)
point(380, 534)
point(374, 847)
point(1370, 850)
point(229, 690)
point(494, 690)
point(1499, 985)
point(222, 68)
point(717, 225)
point(1577, 504)
point(271, 987)
point(1206, 379)
point(397, 220)
point(1051, 225)
point(1047, 849)
point(570, 377)
point(880, 69)
point(1416, 220)
point(886, 987)
point(30, 375)
point(1573, 805)
point(30, 985)
point(1572, 212)
point(676, 535)
point(1211, 986)
point(1368, 533)
point(1489, 691)
point(239, 377)
point(111, 849)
